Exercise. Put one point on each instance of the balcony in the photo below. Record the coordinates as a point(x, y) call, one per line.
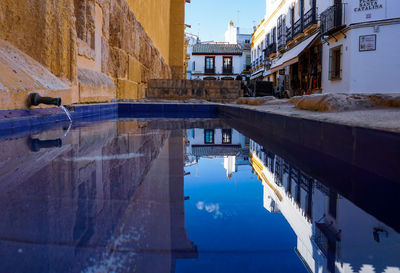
point(282, 41)
point(310, 18)
point(298, 28)
point(289, 34)
point(332, 19)
point(270, 50)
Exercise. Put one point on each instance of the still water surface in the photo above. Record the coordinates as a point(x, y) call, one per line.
point(177, 196)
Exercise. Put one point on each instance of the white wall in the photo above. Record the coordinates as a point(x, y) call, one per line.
point(376, 71)
point(231, 34)
point(241, 38)
point(369, 71)
point(336, 86)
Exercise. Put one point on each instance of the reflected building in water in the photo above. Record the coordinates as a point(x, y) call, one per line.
point(333, 234)
point(110, 199)
point(218, 143)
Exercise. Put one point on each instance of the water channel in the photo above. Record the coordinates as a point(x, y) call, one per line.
point(173, 195)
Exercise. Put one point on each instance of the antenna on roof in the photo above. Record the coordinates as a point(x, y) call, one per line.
point(198, 29)
point(238, 16)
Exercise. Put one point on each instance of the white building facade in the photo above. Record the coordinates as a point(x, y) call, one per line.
point(361, 49)
point(217, 61)
point(329, 46)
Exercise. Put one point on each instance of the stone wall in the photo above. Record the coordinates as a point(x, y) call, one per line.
point(100, 38)
point(43, 29)
point(219, 91)
point(113, 42)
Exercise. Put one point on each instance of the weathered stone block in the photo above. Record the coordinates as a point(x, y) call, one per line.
point(142, 91)
point(145, 74)
point(127, 89)
point(134, 70)
point(95, 86)
point(119, 63)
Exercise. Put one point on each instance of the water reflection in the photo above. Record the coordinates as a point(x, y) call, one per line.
point(333, 234)
point(157, 195)
point(109, 200)
point(226, 143)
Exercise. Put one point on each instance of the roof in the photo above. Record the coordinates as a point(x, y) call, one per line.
point(217, 49)
point(216, 150)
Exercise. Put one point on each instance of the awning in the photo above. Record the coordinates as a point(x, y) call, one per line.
point(292, 56)
point(258, 74)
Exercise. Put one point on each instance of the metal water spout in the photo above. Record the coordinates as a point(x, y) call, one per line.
point(36, 144)
point(35, 99)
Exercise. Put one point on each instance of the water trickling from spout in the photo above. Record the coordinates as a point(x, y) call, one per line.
point(68, 130)
point(66, 112)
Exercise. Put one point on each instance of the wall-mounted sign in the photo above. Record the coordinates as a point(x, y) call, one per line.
point(366, 5)
point(368, 43)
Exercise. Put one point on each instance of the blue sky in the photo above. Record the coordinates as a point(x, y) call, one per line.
point(214, 16)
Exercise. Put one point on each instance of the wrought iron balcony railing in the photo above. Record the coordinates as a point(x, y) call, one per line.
point(289, 34)
point(310, 18)
point(332, 19)
point(298, 28)
point(271, 49)
point(282, 41)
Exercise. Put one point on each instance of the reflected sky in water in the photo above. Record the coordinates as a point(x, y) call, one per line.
point(231, 228)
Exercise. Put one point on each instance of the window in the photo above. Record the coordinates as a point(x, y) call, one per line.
point(210, 65)
point(335, 63)
point(226, 136)
point(208, 136)
point(193, 66)
point(227, 65)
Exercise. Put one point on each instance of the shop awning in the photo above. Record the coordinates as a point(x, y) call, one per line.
point(292, 56)
point(258, 74)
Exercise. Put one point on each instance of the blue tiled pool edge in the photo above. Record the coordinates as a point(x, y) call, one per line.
point(46, 118)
